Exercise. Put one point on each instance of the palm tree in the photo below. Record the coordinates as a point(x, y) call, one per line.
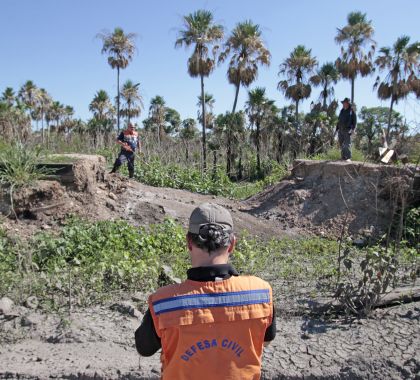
point(187, 133)
point(103, 114)
point(29, 95)
point(120, 48)
point(56, 113)
point(133, 100)
point(248, 52)
point(256, 107)
point(231, 127)
point(101, 106)
point(8, 97)
point(296, 67)
point(209, 105)
point(41, 108)
point(353, 37)
point(201, 31)
point(402, 66)
point(157, 111)
point(172, 121)
point(326, 77)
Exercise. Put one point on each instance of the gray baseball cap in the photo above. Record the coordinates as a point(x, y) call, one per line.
point(210, 213)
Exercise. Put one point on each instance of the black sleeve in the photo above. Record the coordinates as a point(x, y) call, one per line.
point(270, 333)
point(147, 340)
point(121, 137)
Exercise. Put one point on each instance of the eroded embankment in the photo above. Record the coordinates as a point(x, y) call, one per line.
point(324, 196)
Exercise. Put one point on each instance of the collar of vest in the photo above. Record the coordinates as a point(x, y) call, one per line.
point(209, 273)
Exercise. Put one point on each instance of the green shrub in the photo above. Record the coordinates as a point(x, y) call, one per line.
point(18, 165)
point(153, 172)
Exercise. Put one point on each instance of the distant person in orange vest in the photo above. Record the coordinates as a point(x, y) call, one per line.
point(129, 141)
point(214, 324)
point(345, 127)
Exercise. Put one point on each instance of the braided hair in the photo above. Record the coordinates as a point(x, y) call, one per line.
point(211, 237)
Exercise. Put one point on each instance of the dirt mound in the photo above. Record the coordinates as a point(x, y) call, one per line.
point(83, 188)
point(321, 196)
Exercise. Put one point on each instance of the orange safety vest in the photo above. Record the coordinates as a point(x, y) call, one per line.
point(212, 330)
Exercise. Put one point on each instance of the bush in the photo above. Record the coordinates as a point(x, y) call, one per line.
point(18, 165)
point(154, 173)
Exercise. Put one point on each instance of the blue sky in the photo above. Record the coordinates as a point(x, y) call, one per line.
point(53, 43)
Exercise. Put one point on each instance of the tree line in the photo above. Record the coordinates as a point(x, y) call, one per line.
point(261, 125)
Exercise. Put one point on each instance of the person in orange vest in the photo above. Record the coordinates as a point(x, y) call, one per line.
point(214, 324)
point(129, 141)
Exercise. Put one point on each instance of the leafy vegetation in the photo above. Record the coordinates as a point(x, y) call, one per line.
point(97, 261)
point(152, 172)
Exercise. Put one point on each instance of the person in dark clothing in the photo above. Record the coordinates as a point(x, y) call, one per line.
point(129, 141)
point(345, 127)
point(181, 317)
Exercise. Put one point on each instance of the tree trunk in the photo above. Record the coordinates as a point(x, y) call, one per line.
point(369, 145)
point(214, 164)
point(203, 122)
point(313, 139)
point(236, 98)
point(240, 164)
point(257, 136)
point(229, 156)
point(352, 90)
point(118, 98)
point(388, 129)
point(324, 104)
point(297, 111)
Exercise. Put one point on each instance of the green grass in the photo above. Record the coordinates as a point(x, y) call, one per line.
point(334, 154)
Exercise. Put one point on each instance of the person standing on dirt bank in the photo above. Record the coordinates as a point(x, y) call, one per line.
point(345, 128)
point(129, 141)
point(214, 324)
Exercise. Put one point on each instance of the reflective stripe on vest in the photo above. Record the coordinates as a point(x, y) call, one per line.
point(196, 301)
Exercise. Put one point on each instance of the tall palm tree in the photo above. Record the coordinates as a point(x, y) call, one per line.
point(326, 77)
point(256, 107)
point(248, 51)
point(402, 66)
point(295, 68)
point(201, 31)
point(133, 100)
point(120, 48)
point(353, 37)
